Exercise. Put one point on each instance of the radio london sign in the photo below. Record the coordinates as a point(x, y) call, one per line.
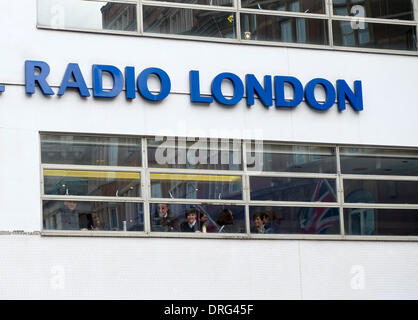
point(272, 88)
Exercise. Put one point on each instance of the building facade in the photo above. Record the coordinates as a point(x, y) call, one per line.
point(282, 132)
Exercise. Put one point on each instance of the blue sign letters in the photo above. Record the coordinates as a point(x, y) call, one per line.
point(273, 88)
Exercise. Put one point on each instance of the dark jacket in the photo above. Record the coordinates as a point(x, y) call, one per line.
point(184, 227)
point(167, 224)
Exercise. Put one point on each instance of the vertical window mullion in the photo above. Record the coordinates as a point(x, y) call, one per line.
point(340, 191)
point(246, 186)
point(145, 185)
point(238, 19)
point(140, 24)
point(329, 12)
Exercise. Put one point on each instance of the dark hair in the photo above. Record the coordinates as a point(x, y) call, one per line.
point(260, 215)
point(225, 217)
point(271, 215)
point(202, 214)
point(190, 211)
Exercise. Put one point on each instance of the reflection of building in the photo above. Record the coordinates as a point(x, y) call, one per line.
point(116, 16)
point(358, 33)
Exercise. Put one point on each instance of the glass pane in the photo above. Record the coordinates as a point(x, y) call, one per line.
point(284, 29)
point(384, 9)
point(294, 220)
point(271, 157)
point(197, 218)
point(199, 153)
point(379, 161)
point(89, 215)
point(222, 3)
point(91, 150)
point(92, 183)
point(293, 189)
point(189, 22)
point(93, 15)
point(380, 191)
point(381, 222)
point(195, 186)
point(374, 35)
point(306, 6)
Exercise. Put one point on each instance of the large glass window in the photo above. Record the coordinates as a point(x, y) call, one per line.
point(284, 29)
point(82, 190)
point(90, 15)
point(92, 215)
point(197, 218)
point(189, 22)
point(195, 186)
point(375, 35)
point(194, 153)
point(293, 189)
point(385, 25)
point(306, 6)
point(379, 161)
point(384, 9)
point(92, 183)
point(294, 220)
point(381, 222)
point(91, 150)
point(290, 158)
point(199, 186)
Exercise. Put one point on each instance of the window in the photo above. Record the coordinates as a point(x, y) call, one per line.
point(388, 25)
point(91, 183)
point(207, 187)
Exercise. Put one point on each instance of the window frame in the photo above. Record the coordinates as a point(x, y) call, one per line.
point(245, 174)
point(238, 10)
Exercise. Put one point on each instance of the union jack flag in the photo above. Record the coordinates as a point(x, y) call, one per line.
point(319, 220)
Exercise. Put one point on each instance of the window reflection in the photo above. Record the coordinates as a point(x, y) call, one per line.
point(379, 161)
point(284, 29)
point(382, 191)
point(196, 186)
point(92, 183)
point(93, 15)
point(306, 6)
point(272, 157)
point(196, 218)
point(375, 35)
point(381, 222)
point(384, 9)
point(92, 215)
point(293, 189)
point(226, 3)
point(91, 150)
point(189, 22)
point(195, 153)
point(294, 220)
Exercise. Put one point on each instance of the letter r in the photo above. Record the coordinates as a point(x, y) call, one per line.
point(31, 79)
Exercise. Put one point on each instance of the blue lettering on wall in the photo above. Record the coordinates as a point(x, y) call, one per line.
point(236, 84)
point(36, 73)
point(117, 77)
point(195, 89)
point(254, 87)
point(73, 72)
point(143, 84)
point(354, 98)
point(329, 94)
point(31, 79)
point(279, 85)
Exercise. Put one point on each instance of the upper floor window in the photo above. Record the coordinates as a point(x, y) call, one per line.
point(388, 25)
